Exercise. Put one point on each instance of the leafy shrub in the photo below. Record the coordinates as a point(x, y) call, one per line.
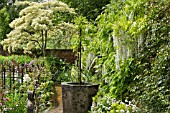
point(20, 59)
point(59, 68)
point(107, 104)
point(151, 89)
point(37, 78)
point(41, 84)
point(14, 101)
point(18, 102)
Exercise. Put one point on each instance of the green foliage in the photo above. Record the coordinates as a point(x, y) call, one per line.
point(18, 103)
point(61, 39)
point(35, 26)
point(133, 39)
point(43, 95)
point(32, 0)
point(108, 104)
point(4, 23)
point(61, 71)
point(14, 101)
point(41, 84)
point(121, 80)
point(37, 78)
point(127, 52)
point(88, 8)
point(20, 59)
point(82, 29)
point(2, 3)
point(152, 78)
point(80, 40)
point(8, 13)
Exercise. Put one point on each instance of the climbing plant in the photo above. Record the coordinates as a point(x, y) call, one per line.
point(152, 80)
point(129, 53)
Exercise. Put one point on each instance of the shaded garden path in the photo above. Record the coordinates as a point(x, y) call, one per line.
point(58, 99)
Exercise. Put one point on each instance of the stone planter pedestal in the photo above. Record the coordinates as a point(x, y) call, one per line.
point(30, 104)
point(77, 98)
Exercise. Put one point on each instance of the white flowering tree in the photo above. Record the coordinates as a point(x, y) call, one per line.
point(35, 25)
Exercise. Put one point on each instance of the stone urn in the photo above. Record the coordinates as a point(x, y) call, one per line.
point(77, 98)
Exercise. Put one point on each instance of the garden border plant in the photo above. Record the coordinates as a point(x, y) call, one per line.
point(38, 78)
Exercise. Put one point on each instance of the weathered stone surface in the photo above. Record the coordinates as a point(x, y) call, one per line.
point(77, 98)
point(30, 104)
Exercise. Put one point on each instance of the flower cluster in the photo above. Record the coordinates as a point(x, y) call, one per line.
point(111, 105)
point(26, 78)
point(121, 107)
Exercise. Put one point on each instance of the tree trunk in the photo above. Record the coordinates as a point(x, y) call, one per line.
point(42, 49)
point(80, 81)
point(45, 43)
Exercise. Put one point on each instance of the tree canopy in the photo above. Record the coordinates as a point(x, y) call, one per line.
point(4, 21)
point(88, 8)
point(35, 25)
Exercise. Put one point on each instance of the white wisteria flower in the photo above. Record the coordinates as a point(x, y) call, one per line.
point(26, 78)
point(122, 111)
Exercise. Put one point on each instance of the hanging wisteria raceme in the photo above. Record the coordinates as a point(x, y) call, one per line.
point(123, 50)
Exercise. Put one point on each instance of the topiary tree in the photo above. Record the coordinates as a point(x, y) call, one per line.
point(35, 25)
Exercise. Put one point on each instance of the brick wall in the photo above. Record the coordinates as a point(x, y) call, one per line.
point(65, 54)
point(2, 52)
